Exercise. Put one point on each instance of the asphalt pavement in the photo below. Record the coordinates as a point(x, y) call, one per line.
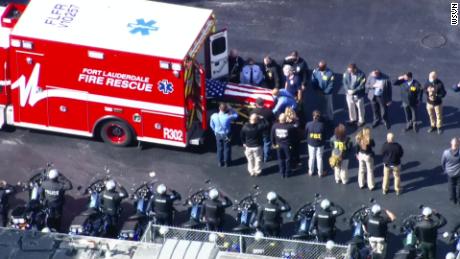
point(394, 36)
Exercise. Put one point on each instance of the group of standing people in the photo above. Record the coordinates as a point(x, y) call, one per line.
point(281, 130)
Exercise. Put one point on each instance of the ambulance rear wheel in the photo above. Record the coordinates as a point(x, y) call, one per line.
point(116, 133)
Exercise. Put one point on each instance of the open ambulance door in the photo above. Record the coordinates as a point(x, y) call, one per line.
point(217, 55)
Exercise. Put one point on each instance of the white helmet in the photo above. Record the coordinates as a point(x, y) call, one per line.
point(258, 235)
point(213, 194)
point(53, 174)
point(427, 211)
point(161, 189)
point(110, 185)
point(46, 230)
point(376, 209)
point(330, 244)
point(325, 204)
point(450, 256)
point(271, 196)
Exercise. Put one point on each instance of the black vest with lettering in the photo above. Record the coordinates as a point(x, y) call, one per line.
point(377, 226)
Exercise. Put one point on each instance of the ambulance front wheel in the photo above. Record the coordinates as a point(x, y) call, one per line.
point(117, 133)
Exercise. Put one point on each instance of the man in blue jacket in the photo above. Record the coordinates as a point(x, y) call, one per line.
point(284, 99)
point(354, 81)
point(221, 126)
point(322, 80)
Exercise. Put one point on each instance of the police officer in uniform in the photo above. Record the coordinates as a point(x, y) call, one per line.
point(426, 232)
point(270, 216)
point(5, 191)
point(110, 203)
point(162, 204)
point(376, 226)
point(54, 189)
point(324, 220)
point(214, 210)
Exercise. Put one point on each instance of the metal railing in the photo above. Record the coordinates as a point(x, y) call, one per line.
point(231, 242)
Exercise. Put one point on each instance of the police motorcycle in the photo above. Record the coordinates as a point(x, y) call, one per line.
point(90, 222)
point(454, 238)
point(34, 214)
point(303, 218)
point(410, 249)
point(195, 201)
point(134, 227)
point(247, 211)
point(360, 242)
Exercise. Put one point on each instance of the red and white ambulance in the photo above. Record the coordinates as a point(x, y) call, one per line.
point(121, 70)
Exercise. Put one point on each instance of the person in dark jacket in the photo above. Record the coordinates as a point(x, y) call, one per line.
point(293, 84)
point(271, 73)
point(54, 189)
point(379, 92)
point(214, 210)
point(354, 81)
point(315, 132)
point(5, 190)
point(282, 135)
point(252, 135)
point(435, 92)
point(365, 156)
point(450, 162)
point(341, 147)
point(271, 214)
point(411, 96)
point(110, 203)
point(376, 226)
point(269, 117)
point(323, 221)
point(162, 204)
point(426, 232)
point(300, 67)
point(235, 66)
point(392, 153)
point(322, 81)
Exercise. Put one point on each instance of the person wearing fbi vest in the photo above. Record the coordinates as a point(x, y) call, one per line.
point(315, 138)
point(411, 96)
point(281, 135)
point(322, 81)
point(354, 81)
point(341, 148)
point(221, 126)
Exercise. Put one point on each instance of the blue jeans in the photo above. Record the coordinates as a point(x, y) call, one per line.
point(224, 148)
point(284, 160)
point(267, 147)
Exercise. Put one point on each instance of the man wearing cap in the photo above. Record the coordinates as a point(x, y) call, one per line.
point(426, 232)
point(376, 226)
point(269, 117)
point(411, 96)
point(353, 82)
point(322, 80)
point(379, 92)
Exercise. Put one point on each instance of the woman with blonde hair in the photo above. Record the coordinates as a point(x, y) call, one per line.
point(341, 149)
point(291, 118)
point(365, 156)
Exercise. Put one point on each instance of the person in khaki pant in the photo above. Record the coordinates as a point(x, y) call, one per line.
point(392, 153)
point(341, 145)
point(435, 91)
point(252, 139)
point(365, 156)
